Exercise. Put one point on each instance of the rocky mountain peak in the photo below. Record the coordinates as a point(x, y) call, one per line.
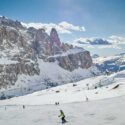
point(8, 22)
point(22, 50)
point(55, 38)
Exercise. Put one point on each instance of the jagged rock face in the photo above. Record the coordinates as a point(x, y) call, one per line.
point(8, 22)
point(8, 36)
point(16, 54)
point(86, 60)
point(48, 46)
point(22, 47)
point(12, 39)
point(57, 47)
point(73, 60)
point(54, 37)
point(44, 44)
point(9, 73)
point(66, 47)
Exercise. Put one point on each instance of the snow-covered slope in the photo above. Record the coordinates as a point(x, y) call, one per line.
point(102, 112)
point(51, 75)
point(95, 88)
point(111, 63)
point(100, 109)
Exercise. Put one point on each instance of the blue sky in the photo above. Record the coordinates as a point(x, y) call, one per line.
point(101, 18)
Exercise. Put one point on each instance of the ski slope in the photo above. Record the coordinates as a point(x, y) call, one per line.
point(100, 109)
point(101, 112)
point(75, 92)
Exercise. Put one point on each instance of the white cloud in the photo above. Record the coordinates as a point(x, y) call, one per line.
point(114, 42)
point(63, 27)
point(109, 46)
point(83, 40)
point(98, 46)
point(116, 39)
point(69, 26)
point(92, 41)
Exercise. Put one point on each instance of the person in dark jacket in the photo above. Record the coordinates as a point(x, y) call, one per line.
point(62, 115)
point(23, 106)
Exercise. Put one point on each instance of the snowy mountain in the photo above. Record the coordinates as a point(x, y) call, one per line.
point(95, 88)
point(93, 41)
point(111, 63)
point(31, 59)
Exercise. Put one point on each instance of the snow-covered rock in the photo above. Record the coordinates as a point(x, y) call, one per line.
point(30, 57)
point(112, 63)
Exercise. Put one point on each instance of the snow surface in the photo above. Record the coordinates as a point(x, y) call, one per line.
point(75, 92)
point(28, 84)
point(100, 109)
point(102, 112)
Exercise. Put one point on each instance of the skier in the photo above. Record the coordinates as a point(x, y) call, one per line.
point(23, 106)
point(87, 99)
point(62, 115)
point(56, 103)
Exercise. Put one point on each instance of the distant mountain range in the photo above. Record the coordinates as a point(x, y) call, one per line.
point(112, 63)
point(94, 41)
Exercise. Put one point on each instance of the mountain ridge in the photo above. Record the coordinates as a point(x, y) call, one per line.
point(28, 50)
